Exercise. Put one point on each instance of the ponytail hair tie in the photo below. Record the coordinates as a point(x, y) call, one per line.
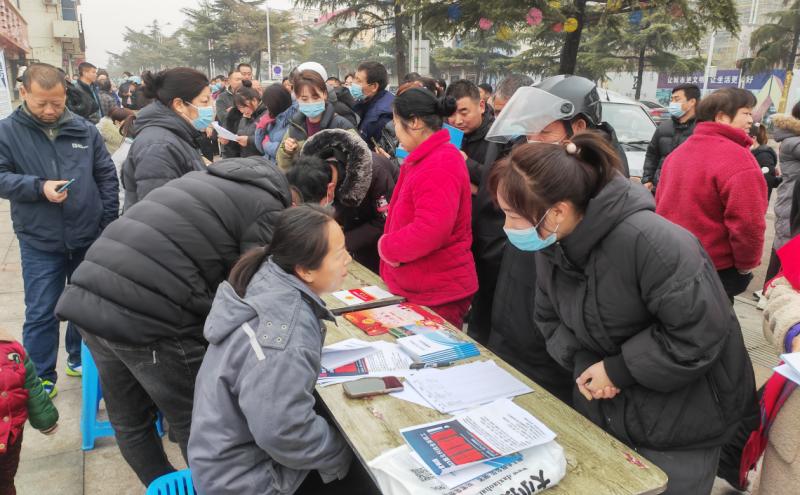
point(571, 148)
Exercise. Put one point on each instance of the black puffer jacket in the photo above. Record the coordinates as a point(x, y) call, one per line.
point(247, 127)
point(631, 289)
point(166, 147)
point(669, 135)
point(366, 183)
point(153, 273)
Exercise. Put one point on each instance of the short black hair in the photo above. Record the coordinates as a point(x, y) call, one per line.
point(796, 110)
point(243, 64)
point(691, 91)
point(442, 83)
point(333, 78)
point(45, 75)
point(510, 84)
point(486, 87)
point(463, 89)
point(85, 66)
point(727, 101)
point(412, 76)
point(376, 73)
point(309, 177)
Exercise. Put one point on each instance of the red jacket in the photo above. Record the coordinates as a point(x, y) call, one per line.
point(428, 229)
point(712, 186)
point(13, 395)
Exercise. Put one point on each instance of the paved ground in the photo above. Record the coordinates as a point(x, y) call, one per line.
point(56, 464)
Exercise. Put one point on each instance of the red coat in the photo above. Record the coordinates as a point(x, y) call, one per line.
point(428, 229)
point(13, 394)
point(712, 186)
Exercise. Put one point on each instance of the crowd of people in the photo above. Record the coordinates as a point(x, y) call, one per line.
point(192, 265)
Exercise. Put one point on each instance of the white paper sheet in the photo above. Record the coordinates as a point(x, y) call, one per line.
point(345, 352)
point(223, 133)
point(372, 293)
point(466, 386)
point(793, 360)
point(390, 360)
point(789, 372)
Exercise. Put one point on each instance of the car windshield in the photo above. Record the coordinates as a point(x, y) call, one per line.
point(630, 121)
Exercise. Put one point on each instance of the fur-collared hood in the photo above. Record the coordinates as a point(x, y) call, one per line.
point(785, 126)
point(353, 155)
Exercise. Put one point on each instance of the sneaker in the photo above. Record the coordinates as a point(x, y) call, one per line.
point(50, 388)
point(74, 369)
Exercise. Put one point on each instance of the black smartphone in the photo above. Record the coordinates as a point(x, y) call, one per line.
point(65, 186)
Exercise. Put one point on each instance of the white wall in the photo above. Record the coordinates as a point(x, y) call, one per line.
point(40, 17)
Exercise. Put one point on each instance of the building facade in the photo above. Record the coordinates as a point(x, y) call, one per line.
point(55, 32)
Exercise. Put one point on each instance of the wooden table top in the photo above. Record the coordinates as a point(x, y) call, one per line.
point(597, 463)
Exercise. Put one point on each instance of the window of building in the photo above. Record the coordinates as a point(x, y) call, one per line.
point(68, 10)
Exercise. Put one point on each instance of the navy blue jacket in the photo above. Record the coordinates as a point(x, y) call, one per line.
point(374, 114)
point(28, 158)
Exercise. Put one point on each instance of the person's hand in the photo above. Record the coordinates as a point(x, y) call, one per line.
point(648, 186)
point(473, 188)
point(49, 189)
point(209, 132)
point(464, 155)
point(382, 152)
point(242, 140)
point(594, 383)
point(796, 344)
point(256, 85)
point(51, 430)
point(290, 145)
point(223, 141)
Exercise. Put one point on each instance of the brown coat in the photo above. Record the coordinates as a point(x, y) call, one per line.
point(780, 472)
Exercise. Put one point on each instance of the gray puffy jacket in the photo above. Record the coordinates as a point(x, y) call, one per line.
point(254, 428)
point(787, 133)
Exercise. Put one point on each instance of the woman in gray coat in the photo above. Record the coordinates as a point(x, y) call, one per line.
point(787, 133)
point(630, 304)
point(254, 427)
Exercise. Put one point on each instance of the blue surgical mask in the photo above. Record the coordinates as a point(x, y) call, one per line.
point(528, 239)
point(356, 91)
point(312, 110)
point(676, 110)
point(216, 87)
point(205, 115)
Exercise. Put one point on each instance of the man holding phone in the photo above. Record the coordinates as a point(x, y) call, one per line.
point(63, 189)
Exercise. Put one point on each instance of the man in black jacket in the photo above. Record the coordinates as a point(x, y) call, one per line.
point(142, 294)
point(473, 118)
point(86, 84)
point(671, 133)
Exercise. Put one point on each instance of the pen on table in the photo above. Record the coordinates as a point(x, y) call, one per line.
point(419, 366)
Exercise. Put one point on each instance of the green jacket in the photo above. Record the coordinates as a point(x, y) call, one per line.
point(42, 414)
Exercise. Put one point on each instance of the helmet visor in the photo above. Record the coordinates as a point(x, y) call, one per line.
point(528, 112)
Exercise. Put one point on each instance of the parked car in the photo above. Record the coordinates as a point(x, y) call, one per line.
point(657, 111)
point(633, 125)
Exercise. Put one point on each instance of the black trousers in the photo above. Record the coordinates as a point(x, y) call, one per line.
point(137, 382)
point(734, 282)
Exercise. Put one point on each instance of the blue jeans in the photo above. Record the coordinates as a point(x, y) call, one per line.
point(44, 275)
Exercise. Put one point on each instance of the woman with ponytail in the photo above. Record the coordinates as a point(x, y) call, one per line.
point(254, 427)
point(168, 131)
point(630, 304)
point(425, 249)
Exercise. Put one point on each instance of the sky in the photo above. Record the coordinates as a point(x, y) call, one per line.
point(104, 21)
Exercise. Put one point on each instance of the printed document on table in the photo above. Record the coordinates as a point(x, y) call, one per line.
point(345, 352)
point(494, 430)
point(793, 360)
point(466, 386)
point(788, 372)
point(389, 360)
point(223, 133)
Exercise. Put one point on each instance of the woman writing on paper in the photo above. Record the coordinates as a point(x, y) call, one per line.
point(425, 250)
point(630, 304)
point(254, 428)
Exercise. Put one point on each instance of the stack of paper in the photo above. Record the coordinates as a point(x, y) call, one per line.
point(490, 432)
point(791, 367)
point(437, 346)
point(362, 298)
point(462, 387)
point(380, 320)
point(380, 359)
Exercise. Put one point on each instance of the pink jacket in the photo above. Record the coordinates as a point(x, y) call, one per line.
point(428, 229)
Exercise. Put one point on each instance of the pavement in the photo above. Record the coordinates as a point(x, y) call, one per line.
point(57, 465)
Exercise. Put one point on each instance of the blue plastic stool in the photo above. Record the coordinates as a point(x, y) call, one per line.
point(91, 428)
point(177, 483)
